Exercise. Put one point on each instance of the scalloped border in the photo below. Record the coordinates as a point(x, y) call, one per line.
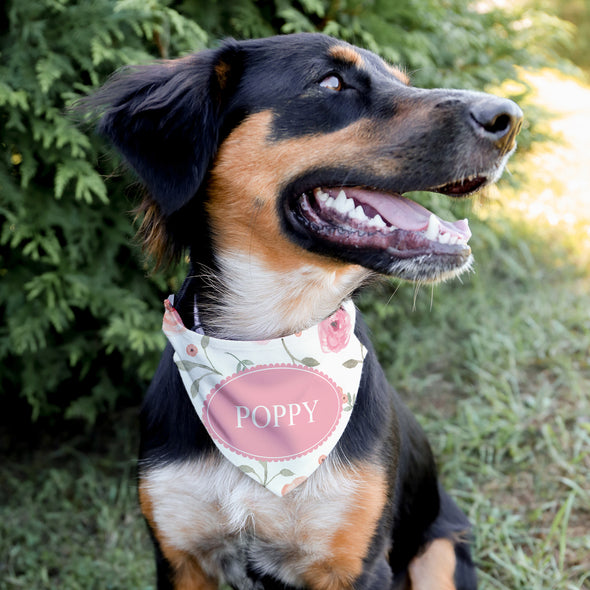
point(229, 447)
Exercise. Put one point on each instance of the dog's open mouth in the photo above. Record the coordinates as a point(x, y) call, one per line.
point(368, 219)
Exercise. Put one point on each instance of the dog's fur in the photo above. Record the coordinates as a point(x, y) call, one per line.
point(230, 144)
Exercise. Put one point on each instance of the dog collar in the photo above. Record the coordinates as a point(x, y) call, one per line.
point(274, 408)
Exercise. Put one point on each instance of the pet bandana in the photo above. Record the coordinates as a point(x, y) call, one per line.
point(274, 408)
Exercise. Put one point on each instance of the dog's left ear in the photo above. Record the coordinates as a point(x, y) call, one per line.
point(165, 120)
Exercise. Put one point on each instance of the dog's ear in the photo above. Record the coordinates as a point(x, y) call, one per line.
point(165, 119)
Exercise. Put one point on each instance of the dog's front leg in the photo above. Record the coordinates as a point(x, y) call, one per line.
point(176, 569)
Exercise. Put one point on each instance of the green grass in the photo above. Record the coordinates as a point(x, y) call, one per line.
point(69, 516)
point(499, 371)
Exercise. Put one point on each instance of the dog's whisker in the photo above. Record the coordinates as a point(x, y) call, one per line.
point(417, 286)
point(393, 293)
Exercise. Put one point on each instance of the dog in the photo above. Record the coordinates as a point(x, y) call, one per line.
point(280, 165)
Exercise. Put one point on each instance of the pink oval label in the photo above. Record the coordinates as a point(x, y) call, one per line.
point(273, 412)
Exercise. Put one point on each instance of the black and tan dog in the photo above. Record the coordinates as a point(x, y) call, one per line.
point(279, 164)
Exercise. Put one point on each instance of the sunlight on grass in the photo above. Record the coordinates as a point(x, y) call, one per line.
point(557, 193)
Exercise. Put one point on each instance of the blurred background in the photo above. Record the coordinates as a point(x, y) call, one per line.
point(497, 365)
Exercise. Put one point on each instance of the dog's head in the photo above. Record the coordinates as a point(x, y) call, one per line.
point(295, 152)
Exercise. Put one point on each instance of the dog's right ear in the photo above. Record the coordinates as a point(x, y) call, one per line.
point(165, 120)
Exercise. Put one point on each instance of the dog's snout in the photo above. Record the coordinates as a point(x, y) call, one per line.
point(498, 120)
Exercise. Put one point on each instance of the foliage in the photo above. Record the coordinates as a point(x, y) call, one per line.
point(81, 326)
point(80, 317)
point(453, 43)
point(576, 13)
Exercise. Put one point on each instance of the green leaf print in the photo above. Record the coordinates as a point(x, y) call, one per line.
point(188, 365)
point(309, 362)
point(351, 363)
point(242, 364)
point(350, 399)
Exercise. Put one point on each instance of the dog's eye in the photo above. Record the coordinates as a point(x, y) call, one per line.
point(332, 82)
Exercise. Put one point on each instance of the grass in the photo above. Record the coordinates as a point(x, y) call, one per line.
point(69, 515)
point(499, 371)
point(497, 368)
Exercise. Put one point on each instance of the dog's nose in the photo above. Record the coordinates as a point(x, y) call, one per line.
point(497, 119)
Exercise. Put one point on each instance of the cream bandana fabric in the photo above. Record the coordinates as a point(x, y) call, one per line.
point(274, 408)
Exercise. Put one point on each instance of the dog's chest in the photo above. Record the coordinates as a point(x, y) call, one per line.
point(210, 510)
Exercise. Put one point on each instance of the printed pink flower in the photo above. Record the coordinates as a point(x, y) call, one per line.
point(192, 350)
point(172, 321)
point(335, 332)
point(291, 486)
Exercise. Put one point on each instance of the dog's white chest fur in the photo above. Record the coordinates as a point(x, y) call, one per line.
point(209, 509)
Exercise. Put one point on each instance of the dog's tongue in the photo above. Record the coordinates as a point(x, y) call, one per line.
point(406, 214)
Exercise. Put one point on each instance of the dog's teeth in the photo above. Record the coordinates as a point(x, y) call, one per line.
point(444, 238)
point(340, 201)
point(354, 214)
point(377, 221)
point(321, 195)
point(359, 214)
point(433, 228)
point(349, 205)
point(343, 204)
point(453, 240)
point(330, 202)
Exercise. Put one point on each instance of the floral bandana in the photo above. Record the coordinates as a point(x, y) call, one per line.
point(274, 408)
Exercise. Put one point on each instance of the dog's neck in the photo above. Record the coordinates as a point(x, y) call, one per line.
point(244, 300)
